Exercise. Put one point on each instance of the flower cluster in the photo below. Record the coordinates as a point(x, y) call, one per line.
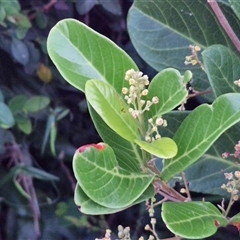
point(123, 233)
point(135, 93)
point(193, 58)
point(233, 184)
point(153, 128)
point(135, 97)
point(236, 154)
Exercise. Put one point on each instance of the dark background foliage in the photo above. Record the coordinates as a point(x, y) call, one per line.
point(42, 142)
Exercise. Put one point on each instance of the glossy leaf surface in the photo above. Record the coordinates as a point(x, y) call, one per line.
point(6, 117)
point(192, 220)
point(222, 68)
point(88, 206)
point(162, 148)
point(103, 181)
point(161, 31)
point(112, 109)
point(193, 140)
point(81, 54)
point(168, 86)
point(127, 154)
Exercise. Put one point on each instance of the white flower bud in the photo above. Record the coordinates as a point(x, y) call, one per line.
point(124, 90)
point(159, 121)
point(155, 100)
point(144, 92)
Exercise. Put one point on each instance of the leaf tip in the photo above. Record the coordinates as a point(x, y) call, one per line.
point(99, 146)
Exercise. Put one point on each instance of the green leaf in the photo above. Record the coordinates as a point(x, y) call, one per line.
point(235, 5)
point(19, 51)
point(103, 181)
point(88, 206)
point(168, 86)
point(41, 19)
point(162, 148)
point(84, 6)
point(16, 104)
point(112, 109)
point(80, 54)
point(6, 117)
point(53, 136)
point(161, 31)
point(222, 68)
point(2, 14)
point(128, 154)
point(36, 173)
point(192, 220)
point(112, 6)
point(24, 123)
point(200, 130)
point(11, 7)
point(211, 166)
point(36, 104)
point(235, 219)
point(50, 122)
point(23, 20)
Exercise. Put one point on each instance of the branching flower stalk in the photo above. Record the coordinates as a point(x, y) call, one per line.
point(232, 187)
point(135, 97)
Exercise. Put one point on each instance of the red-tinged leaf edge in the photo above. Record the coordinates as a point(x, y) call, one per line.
point(99, 146)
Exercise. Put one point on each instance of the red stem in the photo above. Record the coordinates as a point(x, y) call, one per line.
point(223, 21)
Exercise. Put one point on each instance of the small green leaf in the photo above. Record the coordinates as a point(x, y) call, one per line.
point(36, 104)
point(187, 76)
point(11, 7)
point(50, 122)
point(20, 189)
point(112, 109)
point(37, 173)
point(168, 86)
point(23, 21)
point(200, 130)
point(192, 220)
point(235, 5)
point(6, 117)
point(80, 54)
point(2, 14)
point(235, 220)
point(19, 51)
point(162, 148)
point(222, 68)
point(16, 104)
point(103, 181)
point(53, 136)
point(41, 19)
point(24, 124)
point(112, 6)
point(84, 6)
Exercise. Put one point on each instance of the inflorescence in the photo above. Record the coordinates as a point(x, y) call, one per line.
point(135, 97)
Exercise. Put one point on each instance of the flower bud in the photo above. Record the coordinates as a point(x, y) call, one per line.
point(155, 100)
point(144, 92)
point(124, 90)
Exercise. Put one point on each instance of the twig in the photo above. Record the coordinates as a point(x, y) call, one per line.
point(49, 5)
point(17, 157)
point(223, 21)
point(66, 170)
point(186, 186)
point(196, 93)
